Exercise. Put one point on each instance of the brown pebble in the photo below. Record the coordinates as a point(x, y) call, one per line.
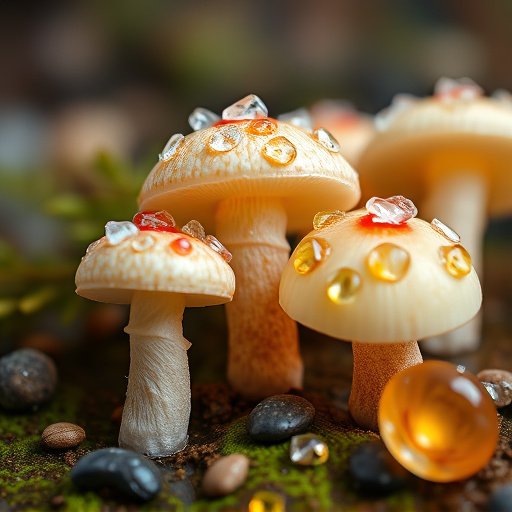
point(225, 475)
point(500, 382)
point(63, 435)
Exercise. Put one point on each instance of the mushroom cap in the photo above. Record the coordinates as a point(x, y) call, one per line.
point(269, 158)
point(148, 262)
point(430, 137)
point(427, 301)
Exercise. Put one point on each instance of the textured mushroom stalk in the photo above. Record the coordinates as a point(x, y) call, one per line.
point(459, 199)
point(264, 356)
point(157, 408)
point(374, 365)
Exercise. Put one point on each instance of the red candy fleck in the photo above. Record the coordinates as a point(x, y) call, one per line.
point(366, 221)
point(181, 246)
point(233, 121)
point(155, 221)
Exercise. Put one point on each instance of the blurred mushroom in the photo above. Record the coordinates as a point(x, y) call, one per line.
point(254, 179)
point(382, 279)
point(160, 271)
point(451, 154)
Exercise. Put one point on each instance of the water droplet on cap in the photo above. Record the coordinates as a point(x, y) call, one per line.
point(249, 107)
point(393, 210)
point(300, 118)
point(326, 139)
point(310, 254)
point(202, 118)
point(225, 138)
point(181, 246)
point(456, 260)
point(327, 218)
point(116, 232)
point(343, 286)
point(388, 262)
point(143, 243)
point(171, 147)
point(444, 230)
point(264, 126)
point(279, 150)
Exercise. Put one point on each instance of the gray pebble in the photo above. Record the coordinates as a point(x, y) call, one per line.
point(28, 379)
point(280, 417)
point(500, 499)
point(130, 474)
point(498, 384)
point(226, 475)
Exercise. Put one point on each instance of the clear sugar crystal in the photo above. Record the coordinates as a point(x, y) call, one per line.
point(195, 229)
point(249, 107)
point(202, 118)
point(463, 89)
point(116, 232)
point(171, 147)
point(444, 230)
point(300, 117)
point(326, 139)
point(218, 247)
point(393, 210)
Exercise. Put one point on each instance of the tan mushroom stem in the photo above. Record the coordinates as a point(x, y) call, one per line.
point(157, 408)
point(264, 357)
point(374, 365)
point(459, 200)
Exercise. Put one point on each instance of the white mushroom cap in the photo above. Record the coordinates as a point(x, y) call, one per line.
point(426, 301)
point(253, 157)
point(424, 138)
point(148, 262)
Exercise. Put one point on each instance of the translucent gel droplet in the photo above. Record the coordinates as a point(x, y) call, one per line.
point(456, 260)
point(300, 118)
point(143, 243)
point(264, 126)
point(448, 90)
point(116, 232)
point(225, 138)
point(249, 107)
point(279, 150)
point(310, 254)
point(308, 450)
point(393, 210)
point(267, 501)
point(327, 218)
point(213, 243)
point(181, 246)
point(444, 230)
point(171, 147)
point(195, 229)
point(342, 288)
point(158, 221)
point(202, 118)
point(326, 139)
point(388, 262)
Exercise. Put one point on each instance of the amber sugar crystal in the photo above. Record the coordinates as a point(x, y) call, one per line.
point(438, 421)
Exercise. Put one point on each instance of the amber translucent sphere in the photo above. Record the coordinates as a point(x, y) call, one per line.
point(438, 421)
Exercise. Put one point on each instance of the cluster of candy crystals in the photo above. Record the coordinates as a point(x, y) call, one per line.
point(393, 210)
point(171, 147)
point(116, 232)
point(456, 260)
point(343, 286)
point(323, 137)
point(327, 218)
point(308, 450)
point(300, 118)
point(196, 230)
point(388, 262)
point(451, 91)
point(444, 230)
point(310, 254)
point(155, 221)
point(249, 107)
point(225, 138)
point(202, 118)
point(400, 103)
point(279, 150)
point(267, 501)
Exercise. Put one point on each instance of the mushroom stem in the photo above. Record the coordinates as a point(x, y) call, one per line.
point(459, 200)
point(157, 407)
point(374, 365)
point(264, 357)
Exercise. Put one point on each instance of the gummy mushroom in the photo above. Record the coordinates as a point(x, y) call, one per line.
point(252, 178)
point(159, 271)
point(450, 153)
point(381, 279)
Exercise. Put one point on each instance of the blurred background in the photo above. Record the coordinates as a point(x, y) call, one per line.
point(90, 92)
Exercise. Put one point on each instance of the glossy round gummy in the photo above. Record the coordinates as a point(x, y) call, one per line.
point(438, 421)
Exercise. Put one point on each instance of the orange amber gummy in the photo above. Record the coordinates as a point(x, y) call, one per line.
point(438, 421)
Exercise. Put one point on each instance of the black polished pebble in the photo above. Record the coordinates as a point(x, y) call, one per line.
point(280, 417)
point(127, 473)
point(500, 499)
point(375, 471)
point(28, 379)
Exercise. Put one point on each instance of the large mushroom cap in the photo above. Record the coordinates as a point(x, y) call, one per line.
point(343, 282)
point(253, 157)
point(155, 261)
point(418, 139)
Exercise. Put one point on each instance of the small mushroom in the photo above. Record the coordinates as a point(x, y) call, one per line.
point(159, 271)
point(450, 153)
point(381, 279)
point(252, 179)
